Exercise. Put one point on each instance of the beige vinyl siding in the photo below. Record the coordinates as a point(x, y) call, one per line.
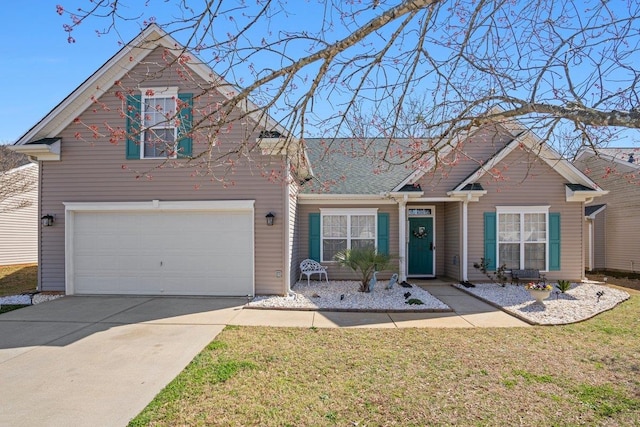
point(542, 187)
point(334, 271)
point(19, 227)
point(464, 160)
point(600, 241)
point(96, 170)
point(452, 255)
point(621, 217)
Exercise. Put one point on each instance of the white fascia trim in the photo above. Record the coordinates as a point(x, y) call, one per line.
point(467, 196)
point(523, 209)
point(160, 206)
point(348, 211)
point(595, 213)
point(408, 194)
point(44, 152)
point(433, 199)
point(344, 199)
point(583, 196)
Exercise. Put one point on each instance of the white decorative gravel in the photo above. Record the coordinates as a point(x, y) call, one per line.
point(323, 296)
point(579, 303)
point(26, 299)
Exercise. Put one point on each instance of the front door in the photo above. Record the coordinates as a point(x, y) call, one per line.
point(420, 247)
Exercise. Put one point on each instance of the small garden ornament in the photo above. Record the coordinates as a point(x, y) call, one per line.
point(392, 281)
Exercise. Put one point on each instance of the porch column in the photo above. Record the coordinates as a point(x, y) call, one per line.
point(402, 244)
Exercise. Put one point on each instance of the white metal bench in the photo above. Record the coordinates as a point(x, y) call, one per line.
point(309, 267)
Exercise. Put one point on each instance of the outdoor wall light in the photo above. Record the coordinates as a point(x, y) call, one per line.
point(270, 216)
point(47, 220)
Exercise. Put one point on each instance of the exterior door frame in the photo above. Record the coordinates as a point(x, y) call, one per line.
point(421, 211)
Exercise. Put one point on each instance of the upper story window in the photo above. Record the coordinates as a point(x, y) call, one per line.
point(159, 130)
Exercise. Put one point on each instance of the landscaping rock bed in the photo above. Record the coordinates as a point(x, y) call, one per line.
point(344, 296)
point(25, 299)
point(582, 301)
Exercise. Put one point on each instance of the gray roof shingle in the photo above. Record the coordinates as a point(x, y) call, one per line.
point(355, 166)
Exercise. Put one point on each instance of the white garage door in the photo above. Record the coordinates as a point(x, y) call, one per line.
point(160, 252)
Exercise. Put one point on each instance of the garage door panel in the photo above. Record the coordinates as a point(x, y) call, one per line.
point(172, 253)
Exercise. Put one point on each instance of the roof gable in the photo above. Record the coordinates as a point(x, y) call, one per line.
point(114, 69)
point(529, 142)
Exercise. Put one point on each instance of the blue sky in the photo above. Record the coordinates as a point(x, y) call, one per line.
point(39, 68)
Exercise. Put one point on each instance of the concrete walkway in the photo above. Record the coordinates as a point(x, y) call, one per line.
point(101, 360)
point(468, 312)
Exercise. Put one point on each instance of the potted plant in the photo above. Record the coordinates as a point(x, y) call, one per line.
point(539, 291)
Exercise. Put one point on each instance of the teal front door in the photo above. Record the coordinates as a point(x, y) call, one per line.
point(420, 247)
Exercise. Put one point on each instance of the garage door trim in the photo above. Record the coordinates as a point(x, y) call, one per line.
point(71, 208)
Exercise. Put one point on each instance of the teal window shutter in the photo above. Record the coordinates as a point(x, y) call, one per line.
point(133, 126)
point(490, 240)
point(554, 241)
point(314, 236)
point(185, 142)
point(383, 233)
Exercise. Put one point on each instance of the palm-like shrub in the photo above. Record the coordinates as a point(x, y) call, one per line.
point(364, 261)
point(563, 285)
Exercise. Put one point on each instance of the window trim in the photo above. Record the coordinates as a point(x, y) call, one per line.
point(522, 210)
point(158, 93)
point(349, 212)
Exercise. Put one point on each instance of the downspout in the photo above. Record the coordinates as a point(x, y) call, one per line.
point(287, 231)
point(465, 205)
point(591, 260)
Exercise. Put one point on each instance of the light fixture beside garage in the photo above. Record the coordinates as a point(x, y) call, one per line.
point(47, 220)
point(270, 216)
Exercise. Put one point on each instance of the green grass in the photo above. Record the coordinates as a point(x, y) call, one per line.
point(5, 308)
point(412, 377)
point(16, 279)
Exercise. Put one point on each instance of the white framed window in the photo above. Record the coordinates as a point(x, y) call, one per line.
point(523, 237)
point(342, 229)
point(159, 134)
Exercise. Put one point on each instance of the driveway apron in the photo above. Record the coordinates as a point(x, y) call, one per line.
point(100, 360)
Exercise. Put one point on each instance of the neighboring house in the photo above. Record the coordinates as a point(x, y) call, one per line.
point(115, 234)
point(612, 227)
point(19, 214)
point(498, 193)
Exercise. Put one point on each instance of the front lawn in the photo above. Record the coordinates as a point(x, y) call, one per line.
point(580, 374)
point(16, 279)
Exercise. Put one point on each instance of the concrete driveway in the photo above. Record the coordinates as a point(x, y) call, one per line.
point(99, 360)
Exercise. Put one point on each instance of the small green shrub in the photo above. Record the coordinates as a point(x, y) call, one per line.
point(563, 285)
point(499, 277)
